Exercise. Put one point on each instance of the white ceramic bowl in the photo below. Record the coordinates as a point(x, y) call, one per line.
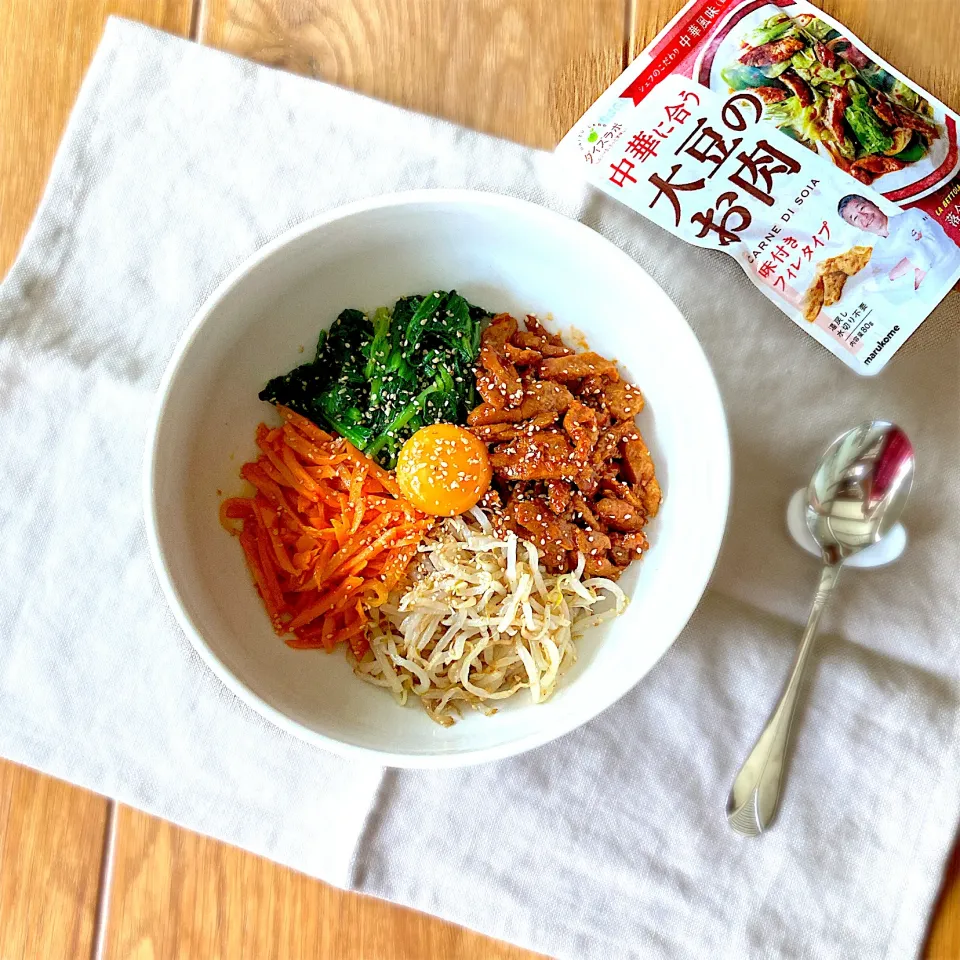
point(503, 254)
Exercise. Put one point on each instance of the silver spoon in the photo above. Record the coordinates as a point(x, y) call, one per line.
point(856, 495)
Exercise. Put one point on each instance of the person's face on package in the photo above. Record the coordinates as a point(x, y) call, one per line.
point(863, 214)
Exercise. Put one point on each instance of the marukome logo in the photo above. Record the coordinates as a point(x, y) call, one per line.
point(597, 139)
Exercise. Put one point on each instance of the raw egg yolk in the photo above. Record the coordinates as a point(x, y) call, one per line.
point(443, 470)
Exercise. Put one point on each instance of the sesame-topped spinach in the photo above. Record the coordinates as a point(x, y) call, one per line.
point(378, 378)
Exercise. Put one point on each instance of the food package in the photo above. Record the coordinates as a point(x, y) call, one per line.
point(768, 131)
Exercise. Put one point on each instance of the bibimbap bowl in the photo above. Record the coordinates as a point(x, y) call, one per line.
point(507, 255)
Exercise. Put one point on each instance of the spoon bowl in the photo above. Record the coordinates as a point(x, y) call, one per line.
point(859, 488)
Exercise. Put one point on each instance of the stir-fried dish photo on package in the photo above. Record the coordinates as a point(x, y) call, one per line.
point(770, 132)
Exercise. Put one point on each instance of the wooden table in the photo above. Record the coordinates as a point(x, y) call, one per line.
point(81, 877)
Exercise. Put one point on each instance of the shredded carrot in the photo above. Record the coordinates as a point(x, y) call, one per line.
point(375, 593)
point(326, 534)
point(355, 499)
point(386, 480)
point(306, 426)
point(396, 566)
point(267, 521)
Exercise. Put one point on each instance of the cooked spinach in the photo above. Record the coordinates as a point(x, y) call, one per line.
point(377, 379)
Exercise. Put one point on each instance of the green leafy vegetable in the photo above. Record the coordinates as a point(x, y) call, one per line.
point(740, 76)
point(802, 61)
point(784, 112)
point(807, 66)
point(835, 76)
point(804, 122)
point(773, 70)
point(817, 29)
point(910, 99)
point(913, 151)
point(864, 123)
point(773, 28)
point(905, 96)
point(376, 379)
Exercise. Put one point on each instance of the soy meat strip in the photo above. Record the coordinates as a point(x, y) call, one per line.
point(572, 473)
point(768, 54)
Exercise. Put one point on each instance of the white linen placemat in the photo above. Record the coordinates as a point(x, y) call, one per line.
point(611, 843)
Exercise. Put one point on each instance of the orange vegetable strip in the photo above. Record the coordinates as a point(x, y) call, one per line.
point(379, 591)
point(320, 473)
point(307, 448)
point(379, 502)
point(266, 485)
point(269, 470)
point(270, 576)
point(359, 645)
point(305, 641)
point(236, 508)
point(304, 560)
point(303, 586)
point(329, 496)
point(343, 604)
point(296, 468)
point(288, 535)
point(287, 506)
point(284, 474)
point(356, 542)
point(267, 520)
point(327, 602)
point(299, 642)
point(412, 538)
point(287, 477)
point(318, 516)
point(339, 528)
point(354, 499)
point(275, 461)
point(403, 535)
point(304, 425)
point(326, 634)
point(398, 566)
point(350, 631)
point(359, 561)
point(270, 493)
point(360, 642)
point(326, 555)
point(251, 551)
point(373, 468)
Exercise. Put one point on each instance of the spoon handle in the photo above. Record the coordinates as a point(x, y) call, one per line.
point(756, 790)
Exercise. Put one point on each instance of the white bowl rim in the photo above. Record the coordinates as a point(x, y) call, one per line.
point(713, 535)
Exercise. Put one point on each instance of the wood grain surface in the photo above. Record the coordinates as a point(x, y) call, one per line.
point(51, 842)
point(45, 47)
point(177, 894)
point(943, 939)
point(523, 69)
